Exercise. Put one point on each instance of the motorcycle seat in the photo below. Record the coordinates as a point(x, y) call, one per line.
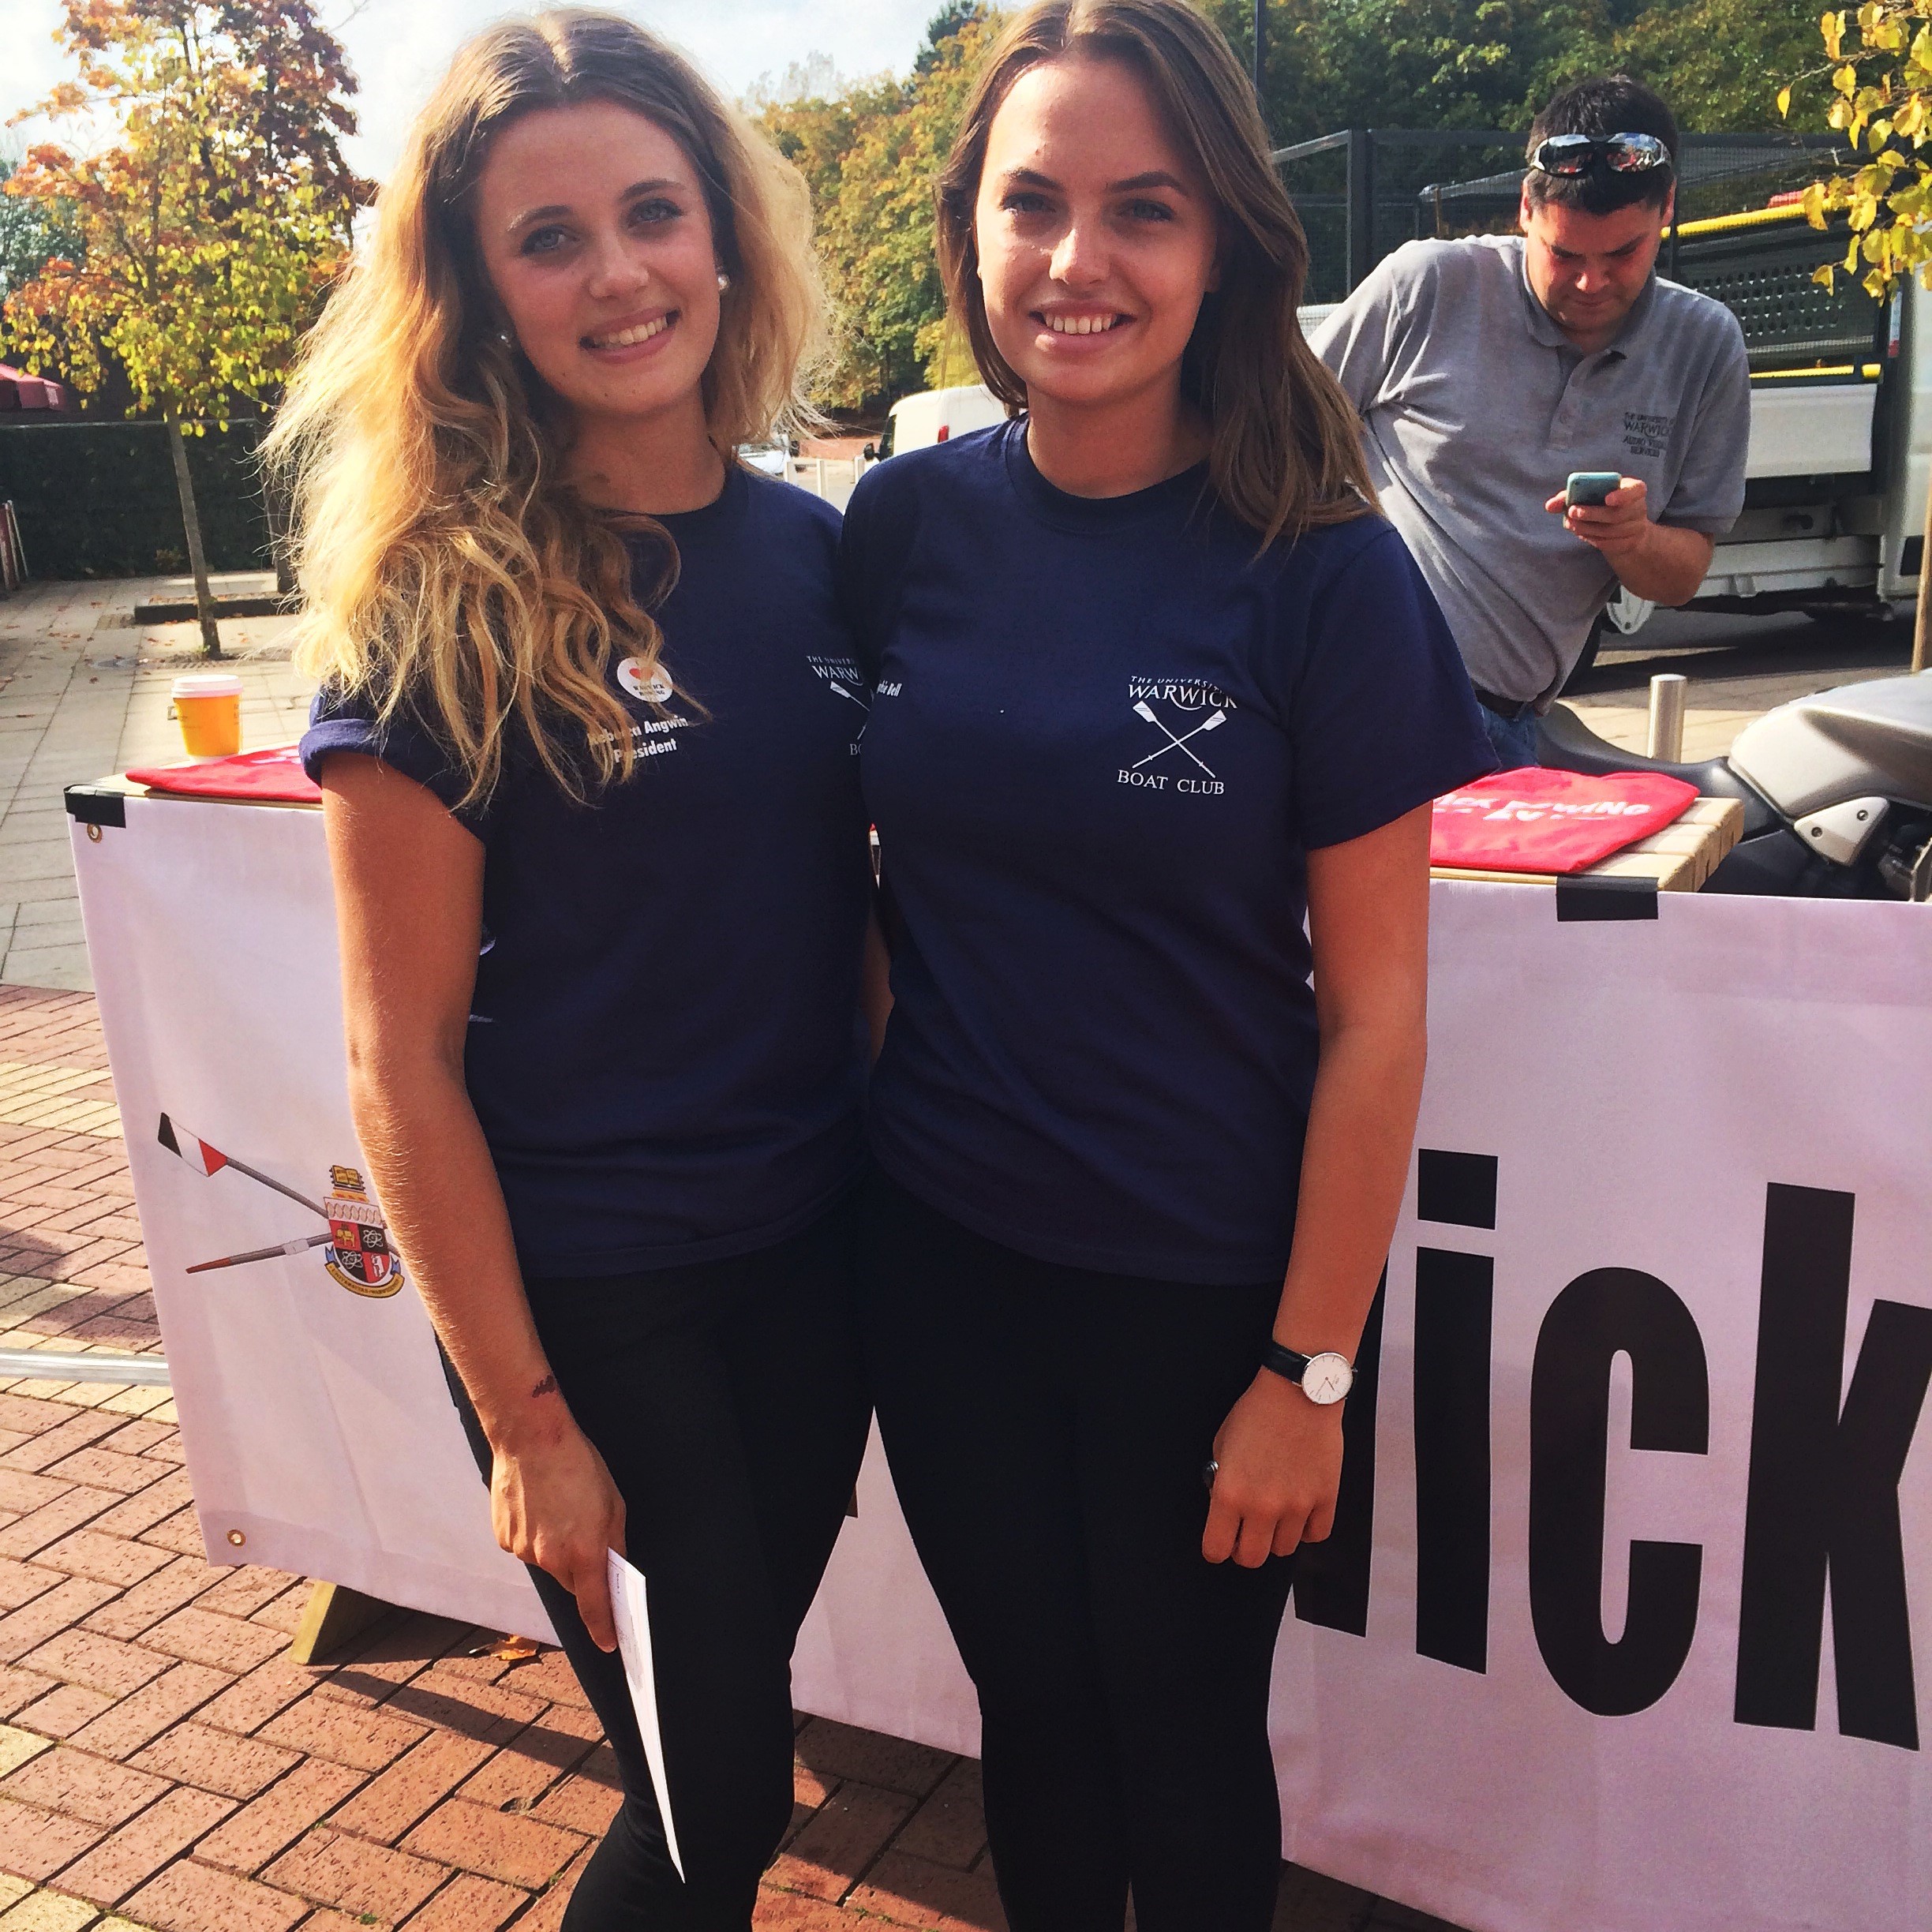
point(1566, 743)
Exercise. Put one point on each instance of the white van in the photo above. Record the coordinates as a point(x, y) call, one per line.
point(935, 415)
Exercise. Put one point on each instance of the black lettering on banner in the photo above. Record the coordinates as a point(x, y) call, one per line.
point(1453, 1308)
point(1822, 1501)
point(1331, 1577)
point(1458, 1189)
point(1607, 1312)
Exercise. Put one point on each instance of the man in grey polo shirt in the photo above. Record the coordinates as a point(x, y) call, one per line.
point(1487, 370)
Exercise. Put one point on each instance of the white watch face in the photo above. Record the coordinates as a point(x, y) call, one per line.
point(1326, 1378)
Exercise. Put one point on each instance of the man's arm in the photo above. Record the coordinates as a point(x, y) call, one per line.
point(1667, 560)
point(1664, 562)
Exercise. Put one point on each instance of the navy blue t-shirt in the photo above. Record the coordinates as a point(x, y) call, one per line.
point(665, 1052)
point(1104, 734)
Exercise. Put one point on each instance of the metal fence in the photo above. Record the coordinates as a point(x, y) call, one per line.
point(1363, 191)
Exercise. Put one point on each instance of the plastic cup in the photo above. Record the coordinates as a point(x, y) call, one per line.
point(208, 704)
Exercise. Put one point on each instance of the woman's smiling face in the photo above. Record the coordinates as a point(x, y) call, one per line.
point(1095, 236)
point(595, 235)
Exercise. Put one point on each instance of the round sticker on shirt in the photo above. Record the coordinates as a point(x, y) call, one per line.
point(643, 680)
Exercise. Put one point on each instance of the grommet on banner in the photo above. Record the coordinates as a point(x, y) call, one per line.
point(94, 834)
point(1586, 898)
point(238, 1538)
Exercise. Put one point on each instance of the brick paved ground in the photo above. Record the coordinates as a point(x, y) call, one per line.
point(163, 1766)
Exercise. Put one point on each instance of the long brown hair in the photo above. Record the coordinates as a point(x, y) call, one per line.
point(1285, 450)
point(444, 561)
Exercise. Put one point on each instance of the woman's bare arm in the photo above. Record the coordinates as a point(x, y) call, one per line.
point(409, 891)
point(1280, 1455)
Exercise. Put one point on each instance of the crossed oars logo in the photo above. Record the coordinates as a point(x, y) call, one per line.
point(1213, 720)
point(359, 1254)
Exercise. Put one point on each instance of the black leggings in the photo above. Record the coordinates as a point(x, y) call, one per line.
point(727, 1400)
point(1047, 1429)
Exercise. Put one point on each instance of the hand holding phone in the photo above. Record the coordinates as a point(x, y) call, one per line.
point(1590, 487)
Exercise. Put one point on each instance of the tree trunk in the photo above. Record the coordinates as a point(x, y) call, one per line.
point(276, 510)
point(197, 558)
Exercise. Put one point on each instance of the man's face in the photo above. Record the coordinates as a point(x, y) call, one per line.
point(1587, 270)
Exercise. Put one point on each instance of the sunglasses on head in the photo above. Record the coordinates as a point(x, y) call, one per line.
point(1577, 154)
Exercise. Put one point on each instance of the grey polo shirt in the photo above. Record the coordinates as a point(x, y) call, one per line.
point(1476, 407)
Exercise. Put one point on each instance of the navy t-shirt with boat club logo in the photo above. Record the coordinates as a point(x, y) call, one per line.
point(665, 1053)
point(1104, 734)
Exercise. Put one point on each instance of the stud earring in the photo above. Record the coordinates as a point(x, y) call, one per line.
point(723, 281)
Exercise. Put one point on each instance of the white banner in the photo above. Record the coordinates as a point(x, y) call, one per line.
point(1626, 1619)
point(320, 1433)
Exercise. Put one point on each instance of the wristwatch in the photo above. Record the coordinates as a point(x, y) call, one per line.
point(1322, 1379)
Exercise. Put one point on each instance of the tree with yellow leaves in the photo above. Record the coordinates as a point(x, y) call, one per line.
point(1881, 72)
point(207, 236)
point(1879, 66)
point(870, 156)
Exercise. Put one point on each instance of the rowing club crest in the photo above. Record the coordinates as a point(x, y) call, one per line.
point(358, 1249)
point(358, 1257)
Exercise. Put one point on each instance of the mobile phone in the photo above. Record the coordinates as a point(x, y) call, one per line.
point(1590, 486)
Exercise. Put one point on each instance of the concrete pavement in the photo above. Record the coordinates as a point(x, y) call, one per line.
point(84, 692)
point(1739, 668)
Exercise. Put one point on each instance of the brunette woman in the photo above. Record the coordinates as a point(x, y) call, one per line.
point(585, 741)
point(1154, 685)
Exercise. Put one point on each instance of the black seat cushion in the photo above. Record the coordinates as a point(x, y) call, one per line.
point(1566, 743)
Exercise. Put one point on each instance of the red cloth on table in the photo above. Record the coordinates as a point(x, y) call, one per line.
point(276, 774)
point(1536, 820)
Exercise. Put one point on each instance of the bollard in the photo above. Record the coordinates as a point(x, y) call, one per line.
point(1667, 717)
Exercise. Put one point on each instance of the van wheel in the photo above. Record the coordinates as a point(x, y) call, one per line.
point(1626, 614)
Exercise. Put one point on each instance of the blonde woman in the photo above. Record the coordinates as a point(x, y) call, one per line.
point(1137, 1176)
point(586, 742)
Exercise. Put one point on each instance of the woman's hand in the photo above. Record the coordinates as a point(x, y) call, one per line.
point(1280, 1467)
point(555, 1505)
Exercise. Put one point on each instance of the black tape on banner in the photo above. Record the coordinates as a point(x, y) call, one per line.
point(97, 805)
point(1458, 1189)
point(1586, 898)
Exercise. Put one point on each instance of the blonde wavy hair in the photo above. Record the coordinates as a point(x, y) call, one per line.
point(446, 565)
point(1285, 450)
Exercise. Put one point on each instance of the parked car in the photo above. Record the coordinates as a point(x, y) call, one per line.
point(935, 414)
point(769, 458)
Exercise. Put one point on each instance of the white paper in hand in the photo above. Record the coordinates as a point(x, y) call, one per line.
point(631, 1609)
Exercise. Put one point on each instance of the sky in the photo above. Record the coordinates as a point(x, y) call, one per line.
point(399, 48)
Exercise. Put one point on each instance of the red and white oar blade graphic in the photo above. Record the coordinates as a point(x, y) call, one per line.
point(199, 1155)
point(205, 1159)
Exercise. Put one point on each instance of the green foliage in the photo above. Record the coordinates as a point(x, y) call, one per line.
point(1492, 63)
point(209, 233)
point(31, 234)
point(1718, 62)
point(948, 24)
point(870, 156)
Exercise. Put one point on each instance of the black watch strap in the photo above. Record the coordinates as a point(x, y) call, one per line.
point(1285, 1362)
